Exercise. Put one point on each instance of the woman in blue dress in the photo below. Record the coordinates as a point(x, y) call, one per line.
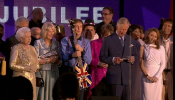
point(48, 65)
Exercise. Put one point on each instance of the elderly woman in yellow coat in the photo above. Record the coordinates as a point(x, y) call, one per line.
point(23, 58)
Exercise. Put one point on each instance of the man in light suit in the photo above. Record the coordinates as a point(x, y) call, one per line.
point(114, 48)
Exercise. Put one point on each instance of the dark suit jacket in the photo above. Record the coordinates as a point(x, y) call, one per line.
point(3, 47)
point(11, 41)
point(33, 24)
point(33, 39)
point(118, 73)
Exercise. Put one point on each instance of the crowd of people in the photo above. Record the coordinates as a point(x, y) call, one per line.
point(108, 50)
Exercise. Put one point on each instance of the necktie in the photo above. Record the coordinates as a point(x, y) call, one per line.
point(122, 42)
point(166, 54)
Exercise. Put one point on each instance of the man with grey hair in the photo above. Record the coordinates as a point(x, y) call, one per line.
point(37, 17)
point(115, 53)
point(19, 23)
point(11, 41)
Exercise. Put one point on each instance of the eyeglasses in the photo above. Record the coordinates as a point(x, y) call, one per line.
point(105, 14)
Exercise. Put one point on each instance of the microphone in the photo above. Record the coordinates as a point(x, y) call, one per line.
point(50, 20)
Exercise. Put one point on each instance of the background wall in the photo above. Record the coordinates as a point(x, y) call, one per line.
point(143, 12)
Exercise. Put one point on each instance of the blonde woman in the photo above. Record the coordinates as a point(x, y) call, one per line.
point(48, 66)
point(152, 60)
point(23, 58)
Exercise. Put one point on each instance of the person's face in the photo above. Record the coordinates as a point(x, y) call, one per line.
point(37, 33)
point(89, 32)
point(122, 29)
point(166, 28)
point(26, 39)
point(152, 37)
point(38, 14)
point(78, 28)
point(106, 15)
point(136, 34)
point(1, 32)
point(23, 24)
point(49, 34)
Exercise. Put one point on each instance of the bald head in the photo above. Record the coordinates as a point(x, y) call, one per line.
point(37, 14)
point(35, 32)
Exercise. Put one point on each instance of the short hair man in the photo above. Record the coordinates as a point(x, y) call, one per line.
point(107, 16)
point(11, 41)
point(167, 42)
point(89, 30)
point(70, 53)
point(35, 34)
point(37, 17)
point(114, 48)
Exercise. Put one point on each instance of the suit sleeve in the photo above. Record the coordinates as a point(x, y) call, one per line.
point(104, 53)
point(87, 56)
point(65, 55)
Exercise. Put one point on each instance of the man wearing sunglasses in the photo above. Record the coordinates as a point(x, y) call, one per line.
point(107, 15)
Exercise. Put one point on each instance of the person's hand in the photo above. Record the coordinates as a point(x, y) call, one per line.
point(101, 64)
point(131, 59)
point(42, 61)
point(105, 66)
point(78, 48)
point(53, 59)
point(155, 79)
point(117, 60)
point(150, 78)
point(33, 68)
point(76, 54)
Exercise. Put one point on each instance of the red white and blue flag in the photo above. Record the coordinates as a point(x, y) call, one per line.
point(84, 78)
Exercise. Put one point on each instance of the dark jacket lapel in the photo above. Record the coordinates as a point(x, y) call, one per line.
point(127, 45)
point(116, 40)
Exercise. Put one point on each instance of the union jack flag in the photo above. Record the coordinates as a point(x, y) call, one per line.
point(84, 78)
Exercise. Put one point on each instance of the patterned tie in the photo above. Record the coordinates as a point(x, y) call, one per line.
point(166, 54)
point(122, 42)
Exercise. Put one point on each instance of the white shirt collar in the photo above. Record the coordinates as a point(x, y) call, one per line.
point(166, 40)
point(119, 36)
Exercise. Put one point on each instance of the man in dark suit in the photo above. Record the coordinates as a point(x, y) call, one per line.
point(2, 43)
point(107, 15)
point(116, 47)
point(37, 17)
point(11, 41)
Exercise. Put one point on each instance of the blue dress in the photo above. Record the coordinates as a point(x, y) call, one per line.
point(50, 72)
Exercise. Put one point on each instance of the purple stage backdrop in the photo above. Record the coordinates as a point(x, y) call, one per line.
point(143, 12)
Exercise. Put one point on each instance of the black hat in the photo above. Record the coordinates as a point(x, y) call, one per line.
point(89, 22)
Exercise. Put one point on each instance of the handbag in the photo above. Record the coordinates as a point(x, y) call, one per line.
point(39, 81)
